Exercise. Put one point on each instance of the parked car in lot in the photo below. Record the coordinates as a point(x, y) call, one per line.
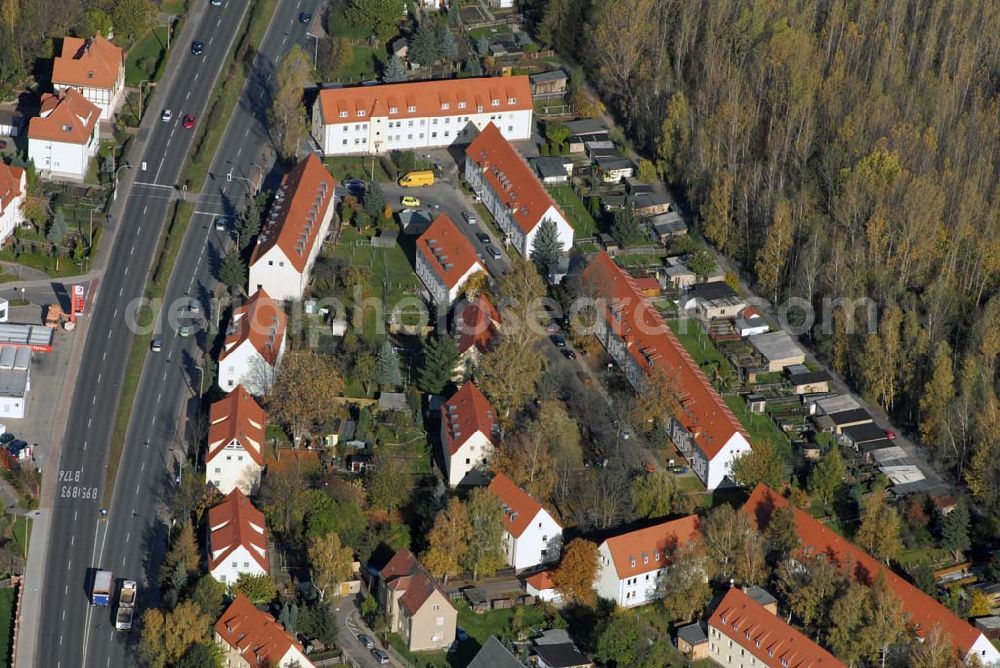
point(380, 656)
point(469, 218)
point(493, 253)
point(559, 340)
point(407, 200)
point(483, 237)
point(366, 641)
point(356, 187)
point(568, 354)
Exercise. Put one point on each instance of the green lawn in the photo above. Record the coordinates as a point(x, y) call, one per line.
point(22, 535)
point(175, 7)
point(583, 223)
point(357, 167)
point(143, 58)
point(7, 600)
point(761, 427)
point(365, 66)
point(694, 338)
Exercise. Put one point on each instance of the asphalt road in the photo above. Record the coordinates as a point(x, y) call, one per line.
point(131, 541)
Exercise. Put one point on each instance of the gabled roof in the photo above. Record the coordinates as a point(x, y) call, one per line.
point(297, 213)
point(261, 321)
point(467, 412)
point(256, 635)
point(404, 573)
point(494, 655)
point(403, 562)
point(649, 549)
point(69, 118)
point(419, 588)
point(235, 522)
point(447, 97)
point(653, 345)
point(447, 251)
point(10, 184)
point(237, 416)
point(510, 178)
point(924, 611)
point(476, 324)
point(767, 636)
point(92, 63)
point(541, 580)
point(519, 509)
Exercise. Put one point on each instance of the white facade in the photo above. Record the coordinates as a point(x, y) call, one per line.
point(504, 218)
point(62, 159)
point(440, 292)
point(475, 452)
point(108, 99)
point(380, 134)
point(278, 276)
point(985, 651)
point(244, 365)
point(237, 562)
point(12, 216)
point(626, 592)
point(539, 543)
point(502, 4)
point(233, 467)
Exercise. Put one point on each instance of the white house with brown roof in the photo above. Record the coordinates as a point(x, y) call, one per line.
point(12, 189)
point(468, 432)
point(413, 605)
point(420, 114)
point(445, 260)
point(235, 440)
point(630, 565)
point(251, 638)
point(254, 345)
point(293, 235)
point(63, 137)
point(531, 535)
point(237, 539)
point(703, 427)
point(510, 190)
point(94, 67)
point(476, 326)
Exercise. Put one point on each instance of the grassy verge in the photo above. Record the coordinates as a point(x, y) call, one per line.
point(227, 95)
point(22, 535)
point(7, 599)
point(584, 225)
point(144, 58)
point(356, 167)
point(166, 255)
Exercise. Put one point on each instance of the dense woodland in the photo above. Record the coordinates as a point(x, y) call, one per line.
point(834, 149)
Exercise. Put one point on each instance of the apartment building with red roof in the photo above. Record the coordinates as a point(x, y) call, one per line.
point(744, 634)
point(630, 565)
point(94, 67)
point(252, 638)
point(531, 535)
point(235, 457)
point(63, 137)
point(12, 190)
point(469, 432)
point(413, 604)
point(420, 114)
point(292, 237)
point(476, 327)
point(924, 611)
point(237, 539)
point(703, 428)
point(511, 191)
point(254, 345)
point(445, 260)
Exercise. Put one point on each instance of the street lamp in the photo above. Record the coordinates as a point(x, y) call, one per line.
point(114, 191)
point(315, 48)
point(201, 381)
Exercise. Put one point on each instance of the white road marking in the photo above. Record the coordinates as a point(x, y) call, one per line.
point(93, 401)
point(103, 357)
point(188, 95)
point(99, 378)
point(60, 640)
point(128, 535)
point(120, 291)
point(88, 422)
point(239, 151)
point(114, 316)
point(123, 564)
point(196, 75)
point(66, 590)
point(137, 488)
point(84, 449)
point(109, 334)
point(74, 512)
point(72, 540)
point(64, 615)
point(144, 209)
point(160, 394)
point(69, 564)
point(126, 271)
point(132, 250)
point(143, 467)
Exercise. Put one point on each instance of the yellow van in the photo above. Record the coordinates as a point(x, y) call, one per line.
point(414, 179)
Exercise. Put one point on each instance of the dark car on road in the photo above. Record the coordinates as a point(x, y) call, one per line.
point(366, 641)
point(197, 48)
point(568, 354)
point(305, 18)
point(380, 656)
point(493, 252)
point(559, 340)
point(483, 237)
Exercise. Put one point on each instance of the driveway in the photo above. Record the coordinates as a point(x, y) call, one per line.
point(349, 627)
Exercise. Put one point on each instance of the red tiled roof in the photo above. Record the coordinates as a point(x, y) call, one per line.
point(447, 251)
point(925, 612)
point(427, 99)
point(648, 549)
point(541, 580)
point(467, 412)
point(10, 184)
point(651, 343)
point(307, 192)
point(236, 416)
point(511, 178)
point(404, 573)
point(262, 322)
point(92, 63)
point(767, 636)
point(476, 324)
point(231, 524)
point(647, 284)
point(403, 562)
point(519, 508)
point(418, 589)
point(256, 635)
point(69, 118)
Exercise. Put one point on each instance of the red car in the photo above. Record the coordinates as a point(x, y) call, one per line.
point(188, 121)
point(890, 434)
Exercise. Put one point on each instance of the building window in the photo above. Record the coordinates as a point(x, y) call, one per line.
point(510, 128)
point(410, 124)
point(393, 110)
point(461, 105)
point(445, 106)
point(343, 114)
point(411, 108)
point(361, 112)
point(511, 100)
point(495, 102)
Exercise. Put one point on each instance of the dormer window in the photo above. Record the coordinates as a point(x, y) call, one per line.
point(479, 108)
point(495, 102)
point(511, 100)
point(445, 106)
point(411, 108)
point(645, 558)
point(461, 105)
point(343, 114)
point(361, 112)
point(393, 110)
